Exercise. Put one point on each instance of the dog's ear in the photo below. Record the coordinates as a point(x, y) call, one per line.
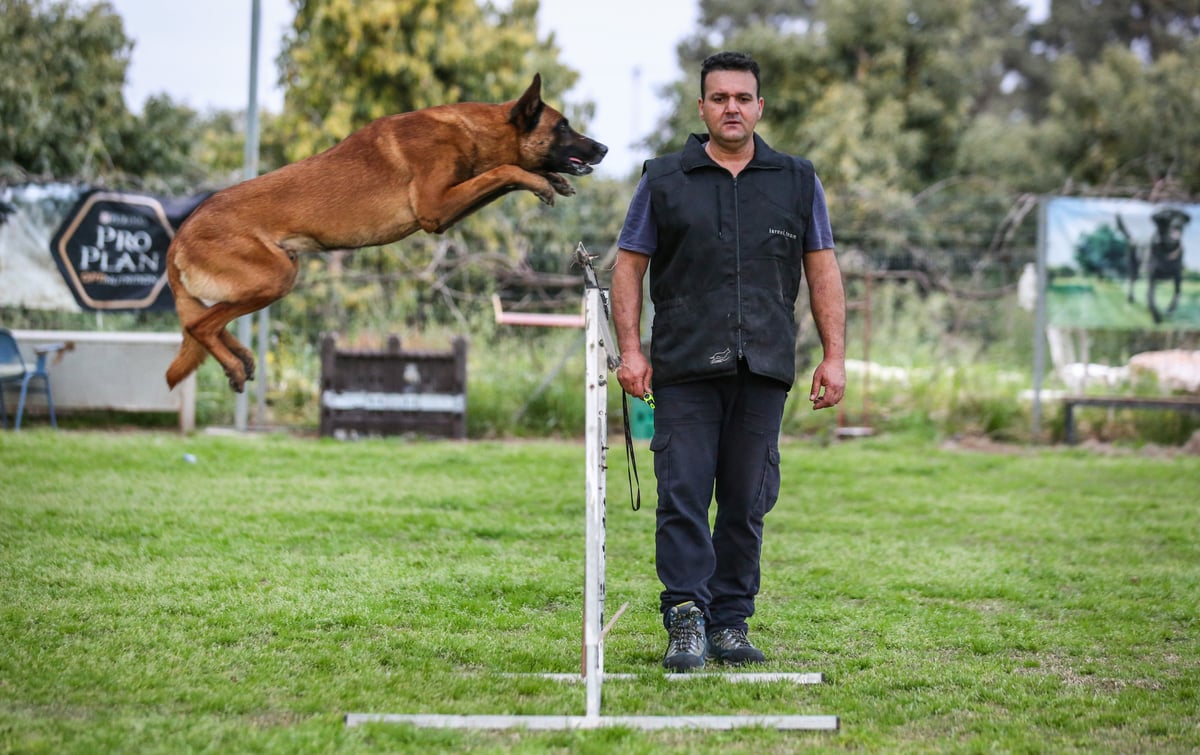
point(528, 110)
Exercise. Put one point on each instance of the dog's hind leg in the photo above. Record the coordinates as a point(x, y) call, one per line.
point(209, 330)
point(239, 350)
point(273, 274)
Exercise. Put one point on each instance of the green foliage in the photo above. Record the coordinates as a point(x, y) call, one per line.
point(1155, 27)
point(158, 146)
point(63, 114)
point(1016, 601)
point(219, 145)
point(1118, 122)
point(868, 90)
point(61, 108)
point(1130, 427)
point(525, 394)
point(1103, 252)
point(1010, 150)
point(390, 56)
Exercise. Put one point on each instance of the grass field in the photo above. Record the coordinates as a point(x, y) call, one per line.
point(1090, 302)
point(1040, 600)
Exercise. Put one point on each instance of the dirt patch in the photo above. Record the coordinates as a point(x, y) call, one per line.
point(984, 444)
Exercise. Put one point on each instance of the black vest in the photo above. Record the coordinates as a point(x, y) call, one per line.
point(726, 272)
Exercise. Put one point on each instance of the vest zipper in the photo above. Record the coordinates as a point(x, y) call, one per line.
point(737, 248)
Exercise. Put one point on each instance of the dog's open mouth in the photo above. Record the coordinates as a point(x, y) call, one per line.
point(578, 166)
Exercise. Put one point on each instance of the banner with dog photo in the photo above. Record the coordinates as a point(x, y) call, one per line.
point(1122, 264)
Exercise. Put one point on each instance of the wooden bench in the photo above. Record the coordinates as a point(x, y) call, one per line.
point(393, 391)
point(1177, 403)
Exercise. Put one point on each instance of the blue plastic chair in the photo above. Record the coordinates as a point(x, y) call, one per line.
point(14, 370)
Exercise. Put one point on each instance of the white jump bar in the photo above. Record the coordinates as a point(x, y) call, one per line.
point(745, 678)
point(560, 723)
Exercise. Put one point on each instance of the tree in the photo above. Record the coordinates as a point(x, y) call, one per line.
point(1083, 30)
point(62, 111)
point(348, 62)
point(61, 108)
point(1104, 253)
point(1151, 28)
point(220, 144)
point(877, 89)
point(156, 149)
point(1127, 126)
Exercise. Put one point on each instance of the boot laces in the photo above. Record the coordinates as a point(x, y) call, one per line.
point(686, 634)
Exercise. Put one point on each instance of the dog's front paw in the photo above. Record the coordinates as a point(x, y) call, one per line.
point(558, 184)
point(236, 382)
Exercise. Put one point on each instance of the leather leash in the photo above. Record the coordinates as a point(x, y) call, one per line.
point(613, 358)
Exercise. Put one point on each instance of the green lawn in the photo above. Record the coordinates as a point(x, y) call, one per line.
point(1089, 302)
point(1041, 600)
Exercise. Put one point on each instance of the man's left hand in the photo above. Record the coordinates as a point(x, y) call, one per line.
point(829, 384)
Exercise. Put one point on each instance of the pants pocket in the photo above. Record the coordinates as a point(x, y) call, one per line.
point(769, 492)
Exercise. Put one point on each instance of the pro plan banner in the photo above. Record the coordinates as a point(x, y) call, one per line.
point(112, 249)
point(1122, 264)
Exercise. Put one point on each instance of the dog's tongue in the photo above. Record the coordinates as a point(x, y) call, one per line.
point(579, 167)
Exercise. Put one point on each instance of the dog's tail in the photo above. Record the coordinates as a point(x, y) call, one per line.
point(191, 355)
point(191, 351)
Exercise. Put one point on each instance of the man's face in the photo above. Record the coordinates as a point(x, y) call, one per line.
point(731, 107)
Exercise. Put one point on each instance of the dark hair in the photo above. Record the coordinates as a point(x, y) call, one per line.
point(730, 61)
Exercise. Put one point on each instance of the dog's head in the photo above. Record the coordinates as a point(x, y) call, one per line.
point(547, 141)
point(1170, 222)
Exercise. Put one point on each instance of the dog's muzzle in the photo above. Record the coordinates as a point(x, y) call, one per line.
point(578, 166)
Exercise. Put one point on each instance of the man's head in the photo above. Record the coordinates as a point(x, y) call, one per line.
point(730, 105)
point(729, 61)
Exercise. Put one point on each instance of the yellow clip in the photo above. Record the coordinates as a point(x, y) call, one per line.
point(648, 397)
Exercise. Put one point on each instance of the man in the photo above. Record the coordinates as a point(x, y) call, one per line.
point(726, 228)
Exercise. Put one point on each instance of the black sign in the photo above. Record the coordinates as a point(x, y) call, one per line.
point(112, 249)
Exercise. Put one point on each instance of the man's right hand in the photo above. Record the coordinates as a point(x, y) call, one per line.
point(634, 373)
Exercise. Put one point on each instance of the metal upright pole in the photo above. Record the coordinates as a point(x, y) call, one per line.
point(1039, 323)
point(250, 170)
point(596, 431)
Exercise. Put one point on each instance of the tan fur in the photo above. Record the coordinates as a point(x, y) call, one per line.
point(424, 170)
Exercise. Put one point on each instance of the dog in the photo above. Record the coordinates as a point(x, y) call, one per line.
point(424, 170)
point(1163, 257)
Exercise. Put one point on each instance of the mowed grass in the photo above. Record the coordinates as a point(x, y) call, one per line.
point(1039, 600)
point(1088, 302)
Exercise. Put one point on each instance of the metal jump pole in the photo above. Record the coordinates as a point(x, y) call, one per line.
point(601, 354)
point(250, 170)
point(596, 431)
